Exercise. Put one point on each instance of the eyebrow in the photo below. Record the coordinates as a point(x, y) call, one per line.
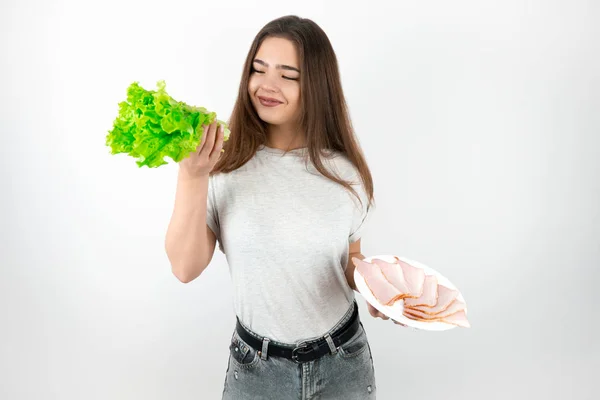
point(278, 66)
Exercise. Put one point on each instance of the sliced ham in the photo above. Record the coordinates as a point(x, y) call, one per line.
point(456, 306)
point(424, 298)
point(458, 318)
point(429, 297)
point(445, 297)
point(415, 277)
point(394, 275)
point(382, 290)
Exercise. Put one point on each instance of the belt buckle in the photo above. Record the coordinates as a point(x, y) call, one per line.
point(297, 349)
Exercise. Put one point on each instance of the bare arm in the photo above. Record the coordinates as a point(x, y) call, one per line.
point(189, 242)
point(354, 252)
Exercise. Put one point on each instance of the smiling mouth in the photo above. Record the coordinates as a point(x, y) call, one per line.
point(267, 102)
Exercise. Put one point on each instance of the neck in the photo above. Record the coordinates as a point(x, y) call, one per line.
point(285, 138)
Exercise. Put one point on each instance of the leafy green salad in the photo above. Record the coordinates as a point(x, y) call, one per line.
point(151, 125)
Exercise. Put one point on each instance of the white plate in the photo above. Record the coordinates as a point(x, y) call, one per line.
point(395, 311)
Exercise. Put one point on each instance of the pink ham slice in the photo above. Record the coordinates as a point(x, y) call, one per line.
point(456, 306)
point(382, 290)
point(459, 318)
point(394, 275)
point(445, 297)
point(429, 298)
point(414, 277)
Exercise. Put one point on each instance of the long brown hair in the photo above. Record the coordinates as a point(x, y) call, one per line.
point(325, 117)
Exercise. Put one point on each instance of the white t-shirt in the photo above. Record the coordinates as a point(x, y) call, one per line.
point(285, 230)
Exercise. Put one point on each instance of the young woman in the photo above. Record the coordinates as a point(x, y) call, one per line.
point(286, 201)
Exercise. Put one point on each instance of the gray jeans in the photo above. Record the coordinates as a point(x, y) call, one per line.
point(348, 374)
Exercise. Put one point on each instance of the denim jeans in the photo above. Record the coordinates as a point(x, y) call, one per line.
point(348, 374)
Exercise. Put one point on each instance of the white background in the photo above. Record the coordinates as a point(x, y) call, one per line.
point(480, 121)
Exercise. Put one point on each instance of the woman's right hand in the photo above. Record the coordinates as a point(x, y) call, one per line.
point(202, 161)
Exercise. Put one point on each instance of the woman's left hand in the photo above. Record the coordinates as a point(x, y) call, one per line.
point(378, 314)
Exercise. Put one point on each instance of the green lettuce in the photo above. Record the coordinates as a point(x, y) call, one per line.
point(151, 125)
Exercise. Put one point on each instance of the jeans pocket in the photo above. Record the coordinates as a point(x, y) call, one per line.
point(242, 355)
point(356, 345)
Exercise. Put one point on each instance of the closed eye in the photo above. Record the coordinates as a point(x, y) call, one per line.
point(283, 76)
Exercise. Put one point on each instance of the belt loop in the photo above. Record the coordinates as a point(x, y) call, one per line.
point(330, 343)
point(265, 347)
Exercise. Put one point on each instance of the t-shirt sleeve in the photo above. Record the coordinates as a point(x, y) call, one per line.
point(362, 212)
point(212, 212)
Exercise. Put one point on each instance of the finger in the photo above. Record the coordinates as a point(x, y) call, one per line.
point(210, 140)
point(381, 315)
point(373, 311)
point(202, 139)
point(216, 153)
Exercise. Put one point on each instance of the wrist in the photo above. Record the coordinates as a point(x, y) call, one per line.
point(187, 177)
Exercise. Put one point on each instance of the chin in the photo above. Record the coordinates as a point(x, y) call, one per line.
point(272, 118)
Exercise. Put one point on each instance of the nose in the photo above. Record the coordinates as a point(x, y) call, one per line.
point(268, 87)
point(268, 83)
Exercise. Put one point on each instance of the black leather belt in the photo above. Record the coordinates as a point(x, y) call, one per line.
point(309, 352)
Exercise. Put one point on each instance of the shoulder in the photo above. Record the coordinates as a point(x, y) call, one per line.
point(343, 167)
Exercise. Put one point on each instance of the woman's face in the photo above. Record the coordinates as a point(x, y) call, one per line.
point(274, 85)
